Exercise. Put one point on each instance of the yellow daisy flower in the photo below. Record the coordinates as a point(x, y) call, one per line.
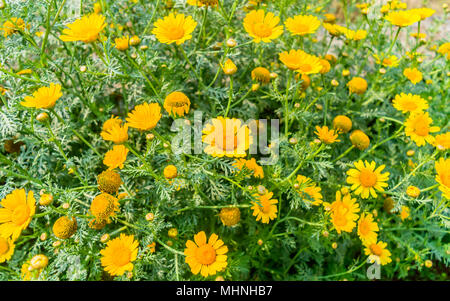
point(43, 98)
point(365, 179)
point(6, 248)
point(423, 12)
point(355, 35)
point(261, 75)
point(404, 213)
point(144, 117)
point(262, 27)
point(206, 257)
point(334, 29)
point(116, 157)
point(378, 253)
point(265, 209)
point(226, 137)
point(12, 26)
point(301, 25)
point(308, 190)
point(443, 176)
point(407, 103)
point(357, 85)
point(122, 43)
point(116, 133)
point(86, 29)
point(177, 103)
point(229, 67)
point(256, 170)
point(418, 127)
point(442, 141)
point(444, 49)
point(16, 213)
point(300, 61)
point(326, 135)
point(367, 228)
point(104, 206)
point(343, 212)
point(175, 28)
point(402, 18)
point(119, 254)
point(413, 74)
point(389, 61)
point(342, 124)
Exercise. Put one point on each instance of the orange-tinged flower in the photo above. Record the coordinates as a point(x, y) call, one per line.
point(442, 141)
point(388, 61)
point(86, 29)
point(367, 228)
point(177, 103)
point(326, 135)
point(119, 254)
point(308, 190)
point(251, 165)
point(122, 43)
point(301, 62)
point(43, 98)
point(366, 179)
point(342, 123)
point(7, 247)
point(357, 85)
point(413, 74)
point(265, 209)
point(229, 67)
point(407, 103)
point(442, 167)
point(261, 75)
point(206, 257)
point(262, 27)
point(16, 212)
point(343, 212)
point(116, 133)
point(175, 28)
point(418, 127)
point(378, 253)
point(301, 25)
point(116, 157)
point(144, 117)
point(444, 49)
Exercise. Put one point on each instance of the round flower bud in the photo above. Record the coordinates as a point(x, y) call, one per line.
point(345, 72)
point(342, 123)
point(261, 190)
point(325, 233)
point(357, 85)
point(359, 139)
point(219, 278)
point(334, 83)
point(382, 71)
point(334, 245)
point(66, 206)
point(173, 232)
point(42, 117)
point(109, 181)
point(255, 87)
point(297, 105)
point(150, 136)
point(410, 153)
point(133, 56)
point(293, 141)
point(231, 43)
point(104, 238)
point(260, 242)
point(428, 263)
point(169, 243)
point(331, 58)
point(97, 223)
point(170, 172)
point(83, 68)
point(273, 75)
point(43, 236)
point(56, 243)
point(230, 216)
point(135, 40)
point(261, 75)
point(150, 217)
point(39, 262)
point(46, 199)
point(65, 227)
point(413, 191)
point(250, 187)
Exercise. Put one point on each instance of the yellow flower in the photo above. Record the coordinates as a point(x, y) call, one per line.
point(378, 253)
point(402, 18)
point(116, 157)
point(301, 25)
point(177, 103)
point(423, 12)
point(329, 18)
point(109, 181)
point(300, 61)
point(6, 248)
point(170, 172)
point(443, 176)
point(226, 137)
point(97, 7)
point(413, 75)
point(86, 29)
point(404, 213)
point(367, 228)
point(122, 43)
point(390, 61)
point(357, 35)
point(343, 213)
point(104, 206)
point(342, 123)
point(202, 2)
point(229, 67)
point(261, 75)
point(144, 117)
point(444, 49)
point(38, 262)
point(325, 66)
point(407, 103)
point(206, 258)
point(308, 190)
point(175, 28)
point(115, 133)
point(230, 216)
point(357, 85)
point(12, 26)
point(325, 135)
point(43, 98)
point(64, 227)
point(417, 126)
point(16, 213)
point(25, 71)
point(365, 179)
point(442, 141)
point(359, 139)
point(413, 191)
point(251, 165)
point(265, 209)
point(262, 27)
point(28, 273)
point(119, 254)
point(334, 29)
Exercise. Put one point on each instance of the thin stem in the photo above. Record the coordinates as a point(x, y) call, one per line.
point(230, 97)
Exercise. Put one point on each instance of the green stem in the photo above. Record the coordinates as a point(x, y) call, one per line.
point(230, 97)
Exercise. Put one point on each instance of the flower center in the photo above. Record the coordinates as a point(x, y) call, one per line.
point(376, 249)
point(20, 214)
point(421, 129)
point(364, 228)
point(175, 33)
point(445, 178)
point(262, 30)
point(205, 254)
point(305, 68)
point(122, 256)
point(265, 206)
point(340, 220)
point(387, 62)
point(368, 178)
point(229, 141)
point(4, 246)
point(410, 105)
